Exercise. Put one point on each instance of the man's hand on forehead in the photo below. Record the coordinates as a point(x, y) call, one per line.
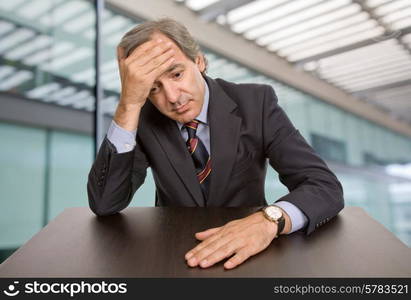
point(142, 67)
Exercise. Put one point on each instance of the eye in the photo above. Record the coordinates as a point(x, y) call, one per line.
point(154, 89)
point(178, 74)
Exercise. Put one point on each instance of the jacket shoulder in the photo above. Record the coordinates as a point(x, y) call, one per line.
point(248, 92)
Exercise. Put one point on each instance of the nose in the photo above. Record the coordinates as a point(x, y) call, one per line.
point(172, 92)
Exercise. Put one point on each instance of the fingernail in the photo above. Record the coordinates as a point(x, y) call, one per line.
point(204, 263)
point(228, 264)
point(192, 262)
point(188, 255)
point(169, 43)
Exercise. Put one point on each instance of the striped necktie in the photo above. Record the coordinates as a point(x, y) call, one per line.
point(201, 158)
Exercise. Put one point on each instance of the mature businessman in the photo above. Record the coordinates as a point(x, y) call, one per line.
point(207, 142)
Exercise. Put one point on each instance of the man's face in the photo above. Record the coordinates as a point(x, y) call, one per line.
point(179, 92)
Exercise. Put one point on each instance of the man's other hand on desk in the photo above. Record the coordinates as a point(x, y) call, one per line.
point(240, 239)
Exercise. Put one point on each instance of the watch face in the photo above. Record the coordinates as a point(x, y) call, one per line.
point(274, 212)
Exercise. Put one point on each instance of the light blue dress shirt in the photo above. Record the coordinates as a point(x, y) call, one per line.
point(125, 141)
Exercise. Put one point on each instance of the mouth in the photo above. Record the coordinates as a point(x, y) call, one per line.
point(182, 108)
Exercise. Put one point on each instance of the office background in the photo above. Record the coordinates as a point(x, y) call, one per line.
point(341, 70)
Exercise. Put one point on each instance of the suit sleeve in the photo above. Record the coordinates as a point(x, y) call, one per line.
point(313, 188)
point(114, 178)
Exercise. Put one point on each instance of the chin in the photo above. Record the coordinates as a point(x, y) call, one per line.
point(186, 117)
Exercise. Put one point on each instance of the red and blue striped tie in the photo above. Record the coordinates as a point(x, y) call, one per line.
point(201, 158)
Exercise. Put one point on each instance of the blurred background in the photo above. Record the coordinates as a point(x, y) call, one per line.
point(341, 70)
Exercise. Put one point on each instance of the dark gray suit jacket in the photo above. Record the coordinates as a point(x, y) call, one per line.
point(247, 127)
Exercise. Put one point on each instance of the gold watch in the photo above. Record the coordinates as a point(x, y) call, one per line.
point(275, 214)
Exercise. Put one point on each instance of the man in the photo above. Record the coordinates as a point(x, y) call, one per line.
point(207, 142)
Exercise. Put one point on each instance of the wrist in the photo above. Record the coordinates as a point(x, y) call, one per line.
point(127, 116)
point(127, 106)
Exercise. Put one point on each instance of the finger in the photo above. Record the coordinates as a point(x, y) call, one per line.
point(154, 53)
point(223, 252)
point(205, 243)
point(143, 48)
point(153, 70)
point(160, 65)
point(153, 66)
point(202, 235)
point(147, 52)
point(240, 256)
point(193, 252)
point(201, 253)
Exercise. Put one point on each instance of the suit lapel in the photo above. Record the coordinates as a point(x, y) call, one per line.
point(170, 139)
point(224, 137)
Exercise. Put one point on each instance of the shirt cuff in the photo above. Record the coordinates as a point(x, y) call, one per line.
point(124, 140)
point(298, 218)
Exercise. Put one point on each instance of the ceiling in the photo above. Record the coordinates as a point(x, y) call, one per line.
point(362, 47)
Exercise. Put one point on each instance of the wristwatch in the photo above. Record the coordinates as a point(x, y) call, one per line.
point(274, 214)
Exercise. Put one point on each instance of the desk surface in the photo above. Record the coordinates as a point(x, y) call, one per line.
point(152, 241)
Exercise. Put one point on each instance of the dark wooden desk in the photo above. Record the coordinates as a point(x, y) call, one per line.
point(151, 242)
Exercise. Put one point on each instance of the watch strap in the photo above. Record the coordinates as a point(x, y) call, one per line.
point(280, 225)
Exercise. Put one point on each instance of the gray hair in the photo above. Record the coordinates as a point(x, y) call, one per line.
point(174, 30)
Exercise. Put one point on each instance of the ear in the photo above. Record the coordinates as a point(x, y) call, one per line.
point(200, 62)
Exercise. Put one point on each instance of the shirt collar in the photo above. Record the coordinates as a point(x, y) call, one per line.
point(202, 117)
